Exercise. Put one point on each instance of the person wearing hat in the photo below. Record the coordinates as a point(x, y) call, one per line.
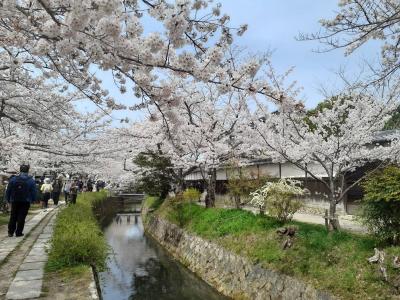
point(46, 189)
point(20, 193)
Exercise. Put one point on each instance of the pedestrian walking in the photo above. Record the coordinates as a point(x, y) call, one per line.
point(66, 190)
point(80, 185)
point(74, 190)
point(20, 193)
point(46, 189)
point(89, 185)
point(100, 185)
point(57, 185)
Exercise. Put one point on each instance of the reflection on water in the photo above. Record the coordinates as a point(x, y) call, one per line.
point(140, 269)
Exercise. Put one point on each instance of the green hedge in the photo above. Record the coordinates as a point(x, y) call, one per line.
point(77, 238)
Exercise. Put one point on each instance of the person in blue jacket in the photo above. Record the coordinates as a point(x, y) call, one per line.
point(20, 193)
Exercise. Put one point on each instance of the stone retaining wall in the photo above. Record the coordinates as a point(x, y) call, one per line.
point(230, 274)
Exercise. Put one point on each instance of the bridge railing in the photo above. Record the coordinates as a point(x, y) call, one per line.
point(129, 202)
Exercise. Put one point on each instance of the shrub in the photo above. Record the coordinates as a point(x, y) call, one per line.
point(241, 183)
point(155, 202)
point(191, 194)
point(381, 204)
point(77, 237)
point(3, 202)
point(178, 205)
point(279, 198)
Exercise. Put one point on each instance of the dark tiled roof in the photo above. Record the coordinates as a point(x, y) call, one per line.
point(386, 135)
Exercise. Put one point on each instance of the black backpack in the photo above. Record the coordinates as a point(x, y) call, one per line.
point(21, 190)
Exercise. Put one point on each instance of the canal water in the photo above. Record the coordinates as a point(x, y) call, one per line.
point(140, 269)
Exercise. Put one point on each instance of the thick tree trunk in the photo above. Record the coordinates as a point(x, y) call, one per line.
point(212, 180)
point(181, 186)
point(333, 218)
point(237, 202)
point(164, 193)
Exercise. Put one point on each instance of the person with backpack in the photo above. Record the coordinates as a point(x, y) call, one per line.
point(20, 193)
point(46, 189)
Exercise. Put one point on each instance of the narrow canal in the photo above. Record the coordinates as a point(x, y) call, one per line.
point(140, 269)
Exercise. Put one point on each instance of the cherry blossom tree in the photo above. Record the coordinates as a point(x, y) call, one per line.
point(38, 120)
point(205, 131)
point(337, 138)
point(72, 40)
point(29, 108)
point(360, 21)
point(66, 38)
point(195, 132)
point(63, 148)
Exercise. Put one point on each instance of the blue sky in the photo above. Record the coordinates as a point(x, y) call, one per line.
point(273, 25)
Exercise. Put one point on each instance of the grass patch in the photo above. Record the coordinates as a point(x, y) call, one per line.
point(335, 262)
point(152, 202)
point(71, 281)
point(78, 239)
point(70, 273)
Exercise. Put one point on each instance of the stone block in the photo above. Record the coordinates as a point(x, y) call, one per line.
point(13, 242)
point(27, 275)
point(35, 258)
point(32, 266)
point(5, 250)
point(40, 246)
point(3, 256)
point(24, 289)
point(44, 236)
point(38, 251)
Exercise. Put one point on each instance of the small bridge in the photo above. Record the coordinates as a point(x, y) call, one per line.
point(129, 203)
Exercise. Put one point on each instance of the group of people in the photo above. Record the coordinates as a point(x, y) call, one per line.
point(22, 190)
point(49, 191)
point(71, 188)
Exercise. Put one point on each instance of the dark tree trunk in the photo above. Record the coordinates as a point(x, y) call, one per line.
point(333, 218)
point(164, 193)
point(181, 186)
point(212, 181)
point(237, 202)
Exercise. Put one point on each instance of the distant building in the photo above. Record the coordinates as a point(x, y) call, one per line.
point(318, 192)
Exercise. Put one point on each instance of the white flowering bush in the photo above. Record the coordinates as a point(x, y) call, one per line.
point(279, 198)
